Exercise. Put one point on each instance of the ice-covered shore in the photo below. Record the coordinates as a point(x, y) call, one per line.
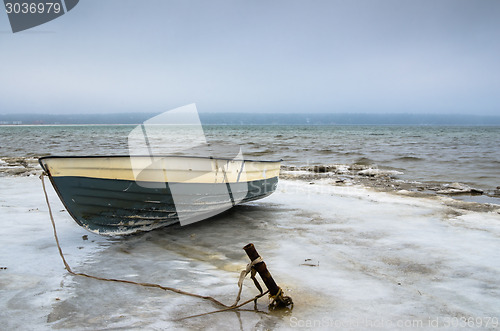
point(350, 257)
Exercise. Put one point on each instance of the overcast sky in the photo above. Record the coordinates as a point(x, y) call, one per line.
point(384, 56)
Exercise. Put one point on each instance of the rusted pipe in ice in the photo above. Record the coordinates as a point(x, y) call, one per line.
point(275, 292)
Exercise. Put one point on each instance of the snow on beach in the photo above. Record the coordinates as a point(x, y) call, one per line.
point(349, 256)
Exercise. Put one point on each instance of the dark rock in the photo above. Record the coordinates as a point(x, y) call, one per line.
point(320, 169)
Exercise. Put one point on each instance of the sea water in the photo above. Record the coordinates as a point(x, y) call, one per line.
point(468, 155)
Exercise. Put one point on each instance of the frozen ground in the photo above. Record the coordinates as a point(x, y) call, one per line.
point(351, 258)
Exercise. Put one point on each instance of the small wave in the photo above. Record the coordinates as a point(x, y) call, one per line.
point(364, 161)
point(409, 159)
point(260, 153)
point(282, 137)
point(36, 155)
point(347, 153)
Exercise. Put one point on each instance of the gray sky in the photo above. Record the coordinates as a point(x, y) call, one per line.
point(385, 56)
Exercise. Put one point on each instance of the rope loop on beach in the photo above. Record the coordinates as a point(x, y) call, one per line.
point(235, 306)
point(249, 269)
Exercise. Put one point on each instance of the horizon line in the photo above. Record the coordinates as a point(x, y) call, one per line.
point(258, 113)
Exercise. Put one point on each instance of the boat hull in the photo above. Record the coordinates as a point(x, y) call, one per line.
point(104, 196)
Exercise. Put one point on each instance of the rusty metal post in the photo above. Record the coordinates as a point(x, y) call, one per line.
point(274, 290)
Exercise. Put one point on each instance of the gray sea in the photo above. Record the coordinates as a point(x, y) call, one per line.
point(447, 154)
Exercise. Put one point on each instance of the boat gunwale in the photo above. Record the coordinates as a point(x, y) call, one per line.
point(40, 159)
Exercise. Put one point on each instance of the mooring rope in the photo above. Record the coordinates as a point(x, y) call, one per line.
point(165, 288)
point(229, 308)
point(244, 273)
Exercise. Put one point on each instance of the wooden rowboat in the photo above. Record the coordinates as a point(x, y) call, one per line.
point(117, 195)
